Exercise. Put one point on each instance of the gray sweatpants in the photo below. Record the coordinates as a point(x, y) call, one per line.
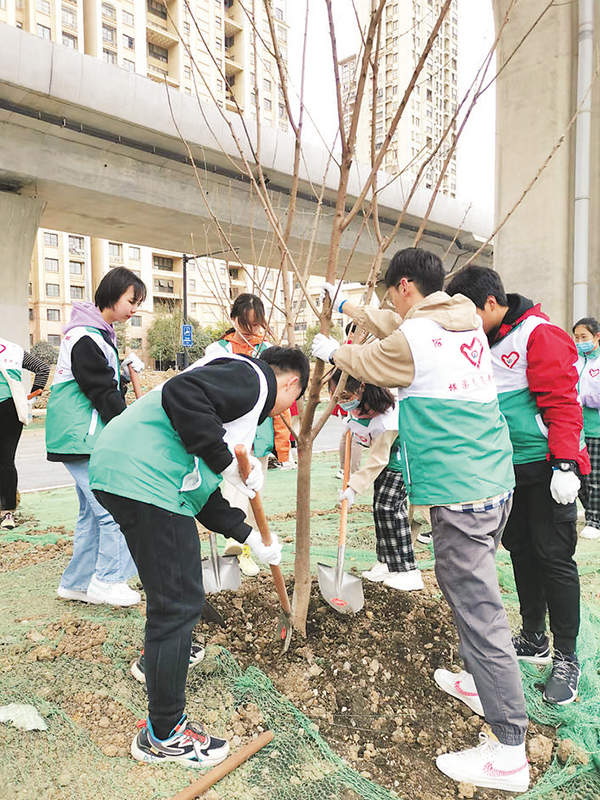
point(465, 544)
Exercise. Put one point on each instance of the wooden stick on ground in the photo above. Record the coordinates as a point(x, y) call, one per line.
point(232, 762)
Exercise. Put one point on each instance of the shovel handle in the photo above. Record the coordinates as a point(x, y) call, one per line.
point(344, 508)
point(263, 526)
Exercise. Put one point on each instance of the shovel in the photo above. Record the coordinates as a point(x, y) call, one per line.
point(284, 627)
point(220, 572)
point(342, 591)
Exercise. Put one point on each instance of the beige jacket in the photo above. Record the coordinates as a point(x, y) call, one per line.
point(389, 362)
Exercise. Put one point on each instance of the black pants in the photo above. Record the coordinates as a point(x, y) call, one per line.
point(166, 551)
point(10, 433)
point(541, 537)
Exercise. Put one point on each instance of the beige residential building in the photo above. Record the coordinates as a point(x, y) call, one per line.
point(405, 30)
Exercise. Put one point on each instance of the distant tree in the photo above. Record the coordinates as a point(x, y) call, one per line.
point(336, 331)
point(45, 351)
point(164, 338)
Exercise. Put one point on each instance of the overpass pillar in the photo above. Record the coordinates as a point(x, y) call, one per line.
point(19, 221)
point(536, 92)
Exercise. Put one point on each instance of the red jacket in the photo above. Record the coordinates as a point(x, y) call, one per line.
point(552, 377)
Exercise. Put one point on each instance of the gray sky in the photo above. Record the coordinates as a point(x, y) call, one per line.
point(476, 148)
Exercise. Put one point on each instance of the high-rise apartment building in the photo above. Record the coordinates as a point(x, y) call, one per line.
point(406, 27)
point(219, 50)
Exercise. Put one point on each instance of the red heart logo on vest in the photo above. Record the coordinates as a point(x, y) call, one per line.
point(594, 372)
point(510, 359)
point(473, 351)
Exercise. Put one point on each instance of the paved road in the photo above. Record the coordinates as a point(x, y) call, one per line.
point(36, 473)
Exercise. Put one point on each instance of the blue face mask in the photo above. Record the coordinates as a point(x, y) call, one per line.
point(583, 348)
point(350, 405)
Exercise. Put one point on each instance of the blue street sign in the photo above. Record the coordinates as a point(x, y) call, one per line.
point(186, 336)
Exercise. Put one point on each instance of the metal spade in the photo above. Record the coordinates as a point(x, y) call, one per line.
point(220, 572)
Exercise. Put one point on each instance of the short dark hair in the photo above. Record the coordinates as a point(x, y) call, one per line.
point(114, 285)
point(421, 267)
point(478, 283)
point(243, 305)
point(374, 398)
point(591, 323)
point(288, 359)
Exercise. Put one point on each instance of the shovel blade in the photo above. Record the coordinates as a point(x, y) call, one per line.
point(225, 576)
point(348, 597)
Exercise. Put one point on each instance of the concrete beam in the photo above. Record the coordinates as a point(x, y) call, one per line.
point(19, 221)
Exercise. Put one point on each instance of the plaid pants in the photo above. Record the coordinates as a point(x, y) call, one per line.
point(589, 494)
point(390, 512)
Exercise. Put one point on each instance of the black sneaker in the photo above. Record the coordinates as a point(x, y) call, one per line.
point(561, 686)
point(188, 744)
point(138, 668)
point(534, 648)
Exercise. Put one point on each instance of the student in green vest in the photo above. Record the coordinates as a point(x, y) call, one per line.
point(87, 392)
point(534, 368)
point(456, 458)
point(157, 468)
point(373, 422)
point(13, 415)
point(586, 334)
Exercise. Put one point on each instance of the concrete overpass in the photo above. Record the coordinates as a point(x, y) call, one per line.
point(90, 148)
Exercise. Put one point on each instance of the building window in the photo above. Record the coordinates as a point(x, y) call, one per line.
point(109, 11)
point(159, 53)
point(51, 264)
point(128, 42)
point(69, 18)
point(162, 262)
point(53, 314)
point(75, 244)
point(192, 285)
point(69, 41)
point(75, 268)
point(266, 84)
point(267, 104)
point(50, 239)
point(128, 65)
point(156, 7)
point(115, 251)
point(127, 18)
point(186, 28)
point(279, 14)
point(134, 252)
point(109, 35)
point(43, 6)
point(136, 321)
point(52, 290)
point(109, 57)
point(43, 32)
point(31, 314)
point(76, 292)
point(54, 339)
point(163, 286)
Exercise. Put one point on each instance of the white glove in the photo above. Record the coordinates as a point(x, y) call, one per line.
point(339, 299)
point(256, 478)
point(132, 361)
point(564, 486)
point(347, 494)
point(232, 475)
point(323, 347)
point(267, 554)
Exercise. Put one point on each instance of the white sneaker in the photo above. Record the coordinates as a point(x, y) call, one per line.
point(492, 765)
point(233, 548)
point(247, 565)
point(113, 594)
point(378, 572)
point(289, 464)
point(8, 522)
point(73, 594)
point(589, 532)
point(339, 474)
point(460, 685)
point(405, 581)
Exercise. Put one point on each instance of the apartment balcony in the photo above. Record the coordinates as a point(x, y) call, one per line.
point(231, 27)
point(231, 105)
point(159, 74)
point(159, 35)
point(232, 66)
